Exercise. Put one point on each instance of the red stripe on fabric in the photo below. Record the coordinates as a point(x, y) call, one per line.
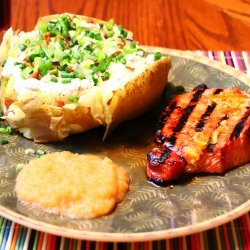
point(227, 242)
point(146, 245)
point(40, 241)
point(136, 246)
point(245, 230)
point(53, 242)
point(14, 239)
point(193, 244)
point(101, 246)
point(48, 242)
point(70, 244)
point(87, 245)
point(198, 241)
point(180, 243)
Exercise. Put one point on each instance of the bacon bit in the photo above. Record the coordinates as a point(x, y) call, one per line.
point(105, 35)
point(7, 102)
point(46, 37)
point(64, 39)
point(117, 53)
point(35, 74)
point(71, 69)
point(59, 103)
point(121, 43)
point(59, 37)
point(90, 20)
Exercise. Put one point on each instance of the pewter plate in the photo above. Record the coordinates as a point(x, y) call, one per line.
point(148, 212)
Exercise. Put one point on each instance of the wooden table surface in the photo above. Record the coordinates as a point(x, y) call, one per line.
point(179, 24)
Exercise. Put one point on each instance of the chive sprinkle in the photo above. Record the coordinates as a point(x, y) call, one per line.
point(40, 152)
point(5, 131)
point(4, 141)
point(73, 99)
point(66, 80)
point(22, 46)
point(157, 56)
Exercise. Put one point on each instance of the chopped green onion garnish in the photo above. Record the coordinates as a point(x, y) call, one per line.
point(157, 56)
point(5, 131)
point(109, 25)
point(88, 48)
point(33, 56)
point(4, 62)
point(66, 80)
point(54, 72)
point(43, 28)
point(19, 167)
point(27, 41)
point(62, 67)
point(54, 79)
point(40, 152)
point(106, 76)
point(22, 46)
point(67, 75)
point(73, 99)
point(132, 45)
point(98, 37)
point(45, 67)
point(4, 141)
point(124, 33)
point(21, 65)
point(80, 76)
point(26, 72)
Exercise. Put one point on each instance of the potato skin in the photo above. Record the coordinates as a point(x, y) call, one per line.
point(44, 122)
point(139, 95)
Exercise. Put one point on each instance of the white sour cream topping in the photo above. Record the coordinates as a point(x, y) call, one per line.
point(120, 74)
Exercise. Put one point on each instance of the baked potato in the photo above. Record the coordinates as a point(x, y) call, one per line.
point(73, 73)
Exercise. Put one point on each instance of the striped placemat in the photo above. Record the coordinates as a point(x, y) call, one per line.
point(233, 235)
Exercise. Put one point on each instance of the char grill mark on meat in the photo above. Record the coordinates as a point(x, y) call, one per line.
point(205, 116)
point(239, 126)
point(168, 139)
point(187, 111)
point(217, 91)
point(207, 130)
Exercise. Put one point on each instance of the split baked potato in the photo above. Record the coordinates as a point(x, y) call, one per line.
point(73, 73)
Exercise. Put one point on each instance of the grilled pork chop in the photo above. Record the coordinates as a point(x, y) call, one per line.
point(207, 130)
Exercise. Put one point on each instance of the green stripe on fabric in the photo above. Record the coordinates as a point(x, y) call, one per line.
point(3, 224)
point(238, 233)
point(19, 238)
point(22, 241)
point(36, 240)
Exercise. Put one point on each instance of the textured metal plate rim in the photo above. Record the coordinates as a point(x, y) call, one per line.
point(126, 237)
